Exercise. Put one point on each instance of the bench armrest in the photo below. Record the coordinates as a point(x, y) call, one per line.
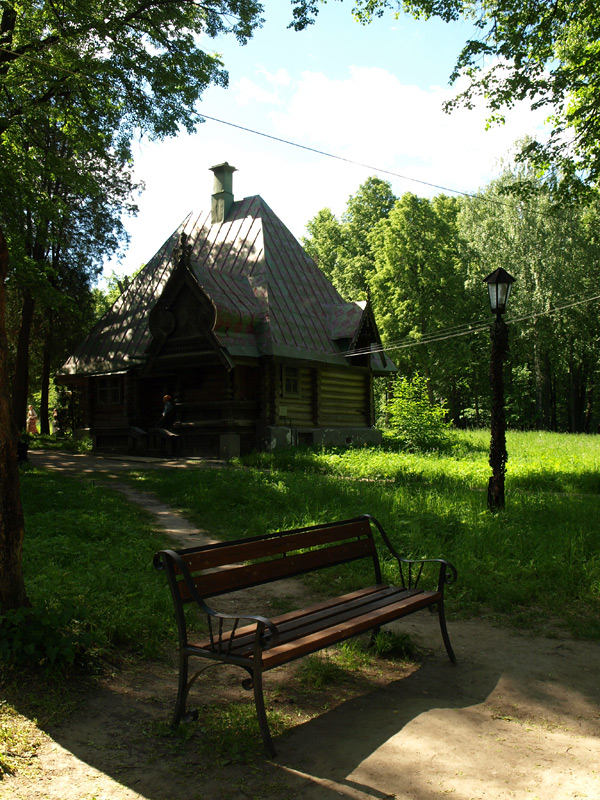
point(165, 559)
point(262, 624)
point(412, 569)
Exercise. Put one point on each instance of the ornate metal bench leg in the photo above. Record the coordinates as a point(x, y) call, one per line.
point(182, 690)
point(444, 629)
point(263, 723)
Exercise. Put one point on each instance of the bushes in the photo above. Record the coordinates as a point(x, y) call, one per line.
point(418, 424)
point(41, 636)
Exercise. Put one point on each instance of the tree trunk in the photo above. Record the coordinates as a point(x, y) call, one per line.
point(589, 405)
point(21, 377)
point(12, 527)
point(46, 357)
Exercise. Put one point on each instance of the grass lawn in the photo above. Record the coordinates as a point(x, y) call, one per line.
point(538, 559)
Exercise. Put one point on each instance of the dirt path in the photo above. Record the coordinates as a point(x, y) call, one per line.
point(518, 717)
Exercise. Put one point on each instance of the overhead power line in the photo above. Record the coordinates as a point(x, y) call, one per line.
point(289, 143)
point(465, 329)
point(474, 195)
point(336, 157)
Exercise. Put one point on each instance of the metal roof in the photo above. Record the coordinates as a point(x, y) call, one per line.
point(269, 296)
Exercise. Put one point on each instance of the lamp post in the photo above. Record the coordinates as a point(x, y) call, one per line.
point(499, 286)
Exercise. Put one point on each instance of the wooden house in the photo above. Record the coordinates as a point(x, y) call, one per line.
point(235, 322)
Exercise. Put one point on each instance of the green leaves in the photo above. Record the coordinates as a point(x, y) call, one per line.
point(141, 62)
point(545, 53)
point(341, 248)
point(419, 423)
point(44, 636)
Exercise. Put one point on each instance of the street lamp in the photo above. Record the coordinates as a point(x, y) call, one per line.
point(499, 286)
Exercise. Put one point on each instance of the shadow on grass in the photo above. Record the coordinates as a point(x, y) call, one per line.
point(556, 480)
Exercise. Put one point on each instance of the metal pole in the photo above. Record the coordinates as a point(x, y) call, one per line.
point(498, 454)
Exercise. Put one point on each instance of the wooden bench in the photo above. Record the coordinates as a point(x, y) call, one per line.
point(199, 573)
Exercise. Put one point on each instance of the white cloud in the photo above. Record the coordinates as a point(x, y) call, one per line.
point(368, 115)
point(279, 78)
point(372, 117)
point(246, 91)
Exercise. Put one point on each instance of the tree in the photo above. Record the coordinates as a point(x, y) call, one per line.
point(419, 424)
point(12, 526)
point(62, 216)
point(548, 244)
point(94, 71)
point(418, 288)
point(341, 249)
point(546, 53)
point(325, 242)
point(372, 203)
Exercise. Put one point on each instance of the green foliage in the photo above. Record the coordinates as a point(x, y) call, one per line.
point(552, 369)
point(318, 671)
point(420, 424)
point(53, 441)
point(341, 248)
point(46, 637)
point(388, 644)
point(417, 288)
point(423, 262)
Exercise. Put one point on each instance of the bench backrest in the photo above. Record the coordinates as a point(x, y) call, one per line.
point(220, 568)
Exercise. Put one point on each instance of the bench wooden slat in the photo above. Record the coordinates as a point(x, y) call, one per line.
point(246, 632)
point(291, 615)
point(299, 623)
point(236, 577)
point(281, 654)
point(226, 554)
point(304, 623)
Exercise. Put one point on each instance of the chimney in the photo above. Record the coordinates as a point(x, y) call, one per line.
point(222, 197)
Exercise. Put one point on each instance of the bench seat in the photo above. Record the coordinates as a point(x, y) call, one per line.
point(322, 625)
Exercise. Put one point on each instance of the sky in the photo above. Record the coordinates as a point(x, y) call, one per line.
point(369, 94)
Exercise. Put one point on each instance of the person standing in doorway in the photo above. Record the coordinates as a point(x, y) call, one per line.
point(168, 415)
point(32, 419)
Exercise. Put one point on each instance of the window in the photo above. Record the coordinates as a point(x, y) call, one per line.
point(109, 391)
point(291, 381)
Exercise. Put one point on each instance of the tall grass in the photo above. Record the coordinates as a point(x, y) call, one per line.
point(539, 558)
point(88, 549)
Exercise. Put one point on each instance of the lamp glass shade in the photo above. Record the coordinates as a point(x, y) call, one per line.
point(499, 286)
point(499, 294)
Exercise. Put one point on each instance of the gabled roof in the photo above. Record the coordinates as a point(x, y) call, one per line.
point(269, 297)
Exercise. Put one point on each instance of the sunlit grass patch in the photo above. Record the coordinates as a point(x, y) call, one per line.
point(543, 551)
point(20, 740)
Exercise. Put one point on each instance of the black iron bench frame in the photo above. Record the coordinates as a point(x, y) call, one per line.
point(198, 573)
